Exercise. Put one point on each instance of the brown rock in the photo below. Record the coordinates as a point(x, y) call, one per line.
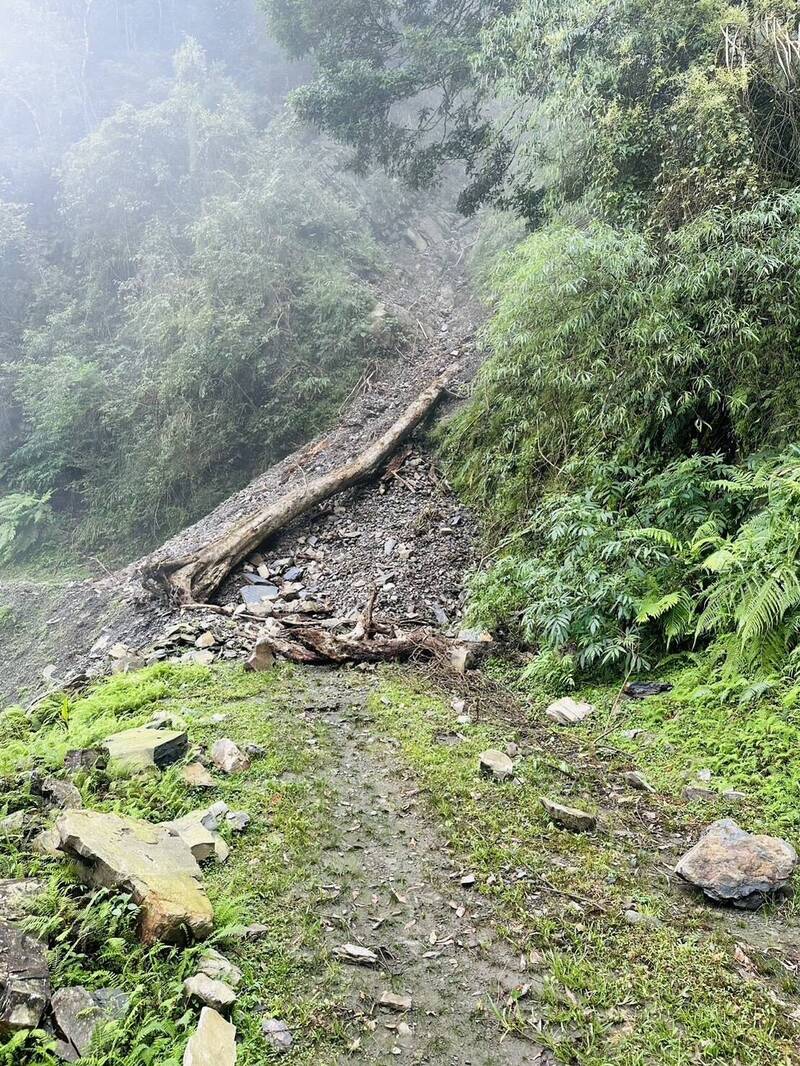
point(195, 775)
point(263, 658)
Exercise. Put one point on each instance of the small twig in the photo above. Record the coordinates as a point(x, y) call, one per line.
point(574, 896)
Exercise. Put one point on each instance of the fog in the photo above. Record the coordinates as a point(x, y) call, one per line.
point(185, 271)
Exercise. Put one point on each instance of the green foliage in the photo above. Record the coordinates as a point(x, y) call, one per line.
point(24, 520)
point(393, 81)
point(91, 934)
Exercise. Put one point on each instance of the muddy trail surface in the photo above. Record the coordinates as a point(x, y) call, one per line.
point(444, 985)
point(408, 535)
point(443, 973)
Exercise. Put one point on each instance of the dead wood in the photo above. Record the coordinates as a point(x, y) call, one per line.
point(193, 578)
point(320, 647)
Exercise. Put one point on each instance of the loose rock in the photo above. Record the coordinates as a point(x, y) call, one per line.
point(356, 954)
point(143, 748)
point(733, 866)
point(13, 825)
point(216, 966)
point(61, 793)
point(195, 775)
point(277, 1034)
point(229, 758)
point(16, 896)
point(696, 794)
point(638, 781)
point(24, 980)
point(568, 711)
point(155, 867)
point(496, 764)
point(208, 990)
point(569, 817)
point(213, 1043)
point(238, 820)
point(197, 831)
point(85, 759)
point(263, 657)
point(78, 1013)
point(463, 657)
point(392, 1001)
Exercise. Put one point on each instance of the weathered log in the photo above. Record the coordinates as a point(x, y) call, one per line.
point(193, 578)
point(320, 647)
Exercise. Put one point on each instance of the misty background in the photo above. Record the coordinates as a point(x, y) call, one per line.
point(185, 273)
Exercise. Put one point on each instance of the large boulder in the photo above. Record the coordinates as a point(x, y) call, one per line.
point(213, 1043)
point(733, 866)
point(156, 867)
point(140, 749)
point(24, 980)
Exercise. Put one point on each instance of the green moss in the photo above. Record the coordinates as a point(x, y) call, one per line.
point(611, 993)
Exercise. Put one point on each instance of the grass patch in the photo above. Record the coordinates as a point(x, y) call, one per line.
point(610, 993)
point(270, 877)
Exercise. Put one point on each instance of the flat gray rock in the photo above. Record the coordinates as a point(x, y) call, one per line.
point(211, 992)
point(733, 866)
point(140, 749)
point(24, 980)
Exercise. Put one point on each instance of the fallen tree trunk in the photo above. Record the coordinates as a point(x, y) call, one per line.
point(193, 578)
point(319, 647)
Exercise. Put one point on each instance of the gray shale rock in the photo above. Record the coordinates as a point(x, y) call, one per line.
point(733, 866)
point(85, 759)
point(278, 1034)
point(213, 993)
point(61, 794)
point(24, 980)
point(78, 1012)
point(140, 749)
